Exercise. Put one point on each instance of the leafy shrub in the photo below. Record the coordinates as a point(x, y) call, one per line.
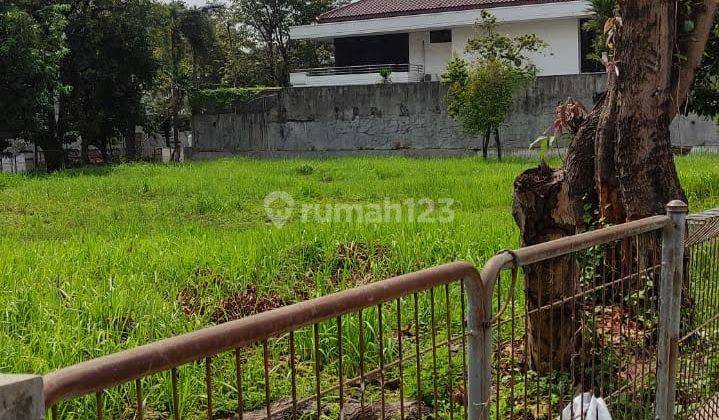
point(386, 75)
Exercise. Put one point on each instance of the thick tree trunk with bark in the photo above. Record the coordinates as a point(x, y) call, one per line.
point(539, 192)
point(620, 165)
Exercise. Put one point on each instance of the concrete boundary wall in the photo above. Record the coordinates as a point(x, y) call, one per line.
point(393, 119)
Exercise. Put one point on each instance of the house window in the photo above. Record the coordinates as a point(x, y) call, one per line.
point(372, 50)
point(440, 37)
point(589, 63)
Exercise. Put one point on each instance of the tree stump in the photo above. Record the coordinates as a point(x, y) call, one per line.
point(543, 212)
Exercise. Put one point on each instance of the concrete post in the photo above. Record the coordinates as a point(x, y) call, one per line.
point(670, 299)
point(21, 397)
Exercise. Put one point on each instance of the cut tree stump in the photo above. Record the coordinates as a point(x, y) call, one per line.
point(543, 212)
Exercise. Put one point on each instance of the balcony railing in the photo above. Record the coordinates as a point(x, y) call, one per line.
point(366, 69)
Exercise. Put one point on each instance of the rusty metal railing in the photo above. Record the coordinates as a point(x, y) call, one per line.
point(426, 333)
point(438, 343)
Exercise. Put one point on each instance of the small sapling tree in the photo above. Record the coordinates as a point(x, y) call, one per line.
point(480, 91)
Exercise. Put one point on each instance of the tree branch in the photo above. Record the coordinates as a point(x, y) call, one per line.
point(694, 55)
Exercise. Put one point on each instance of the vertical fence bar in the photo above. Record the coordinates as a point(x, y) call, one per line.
point(175, 395)
point(669, 308)
point(208, 384)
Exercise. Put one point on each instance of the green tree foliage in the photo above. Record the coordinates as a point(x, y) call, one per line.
point(480, 92)
point(104, 66)
point(602, 11)
point(223, 99)
point(270, 22)
point(31, 49)
point(186, 45)
point(109, 67)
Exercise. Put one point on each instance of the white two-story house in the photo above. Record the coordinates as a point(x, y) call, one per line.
point(416, 38)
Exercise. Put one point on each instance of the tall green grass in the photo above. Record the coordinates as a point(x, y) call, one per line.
point(94, 261)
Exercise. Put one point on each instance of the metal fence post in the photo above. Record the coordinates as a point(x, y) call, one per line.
point(479, 324)
point(479, 362)
point(670, 298)
point(21, 397)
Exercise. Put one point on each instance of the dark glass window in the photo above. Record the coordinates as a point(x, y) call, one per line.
point(589, 64)
point(440, 37)
point(368, 50)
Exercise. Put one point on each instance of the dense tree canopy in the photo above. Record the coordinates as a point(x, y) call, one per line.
point(32, 47)
point(110, 65)
point(93, 70)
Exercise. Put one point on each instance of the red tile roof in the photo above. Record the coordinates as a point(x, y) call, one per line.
point(371, 9)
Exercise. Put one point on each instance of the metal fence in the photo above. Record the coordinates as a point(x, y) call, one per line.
point(698, 372)
point(541, 331)
point(581, 319)
point(393, 348)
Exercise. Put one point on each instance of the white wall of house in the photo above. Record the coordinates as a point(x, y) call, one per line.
point(562, 55)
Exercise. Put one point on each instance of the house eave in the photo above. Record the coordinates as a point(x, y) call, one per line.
point(442, 20)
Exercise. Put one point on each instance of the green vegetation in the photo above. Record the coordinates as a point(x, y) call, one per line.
point(481, 92)
point(103, 259)
point(67, 77)
point(223, 99)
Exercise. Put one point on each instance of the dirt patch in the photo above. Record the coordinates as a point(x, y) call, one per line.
point(246, 303)
point(190, 301)
point(412, 410)
point(190, 298)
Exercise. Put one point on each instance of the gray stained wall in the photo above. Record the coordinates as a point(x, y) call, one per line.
point(407, 119)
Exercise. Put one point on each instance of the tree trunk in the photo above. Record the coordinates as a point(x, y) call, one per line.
point(485, 144)
point(131, 142)
point(636, 127)
point(543, 212)
point(620, 165)
point(49, 141)
point(498, 143)
point(103, 150)
point(84, 149)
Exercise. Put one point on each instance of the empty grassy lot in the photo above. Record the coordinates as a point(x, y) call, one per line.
point(98, 260)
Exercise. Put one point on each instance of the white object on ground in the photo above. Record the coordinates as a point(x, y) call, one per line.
point(586, 406)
